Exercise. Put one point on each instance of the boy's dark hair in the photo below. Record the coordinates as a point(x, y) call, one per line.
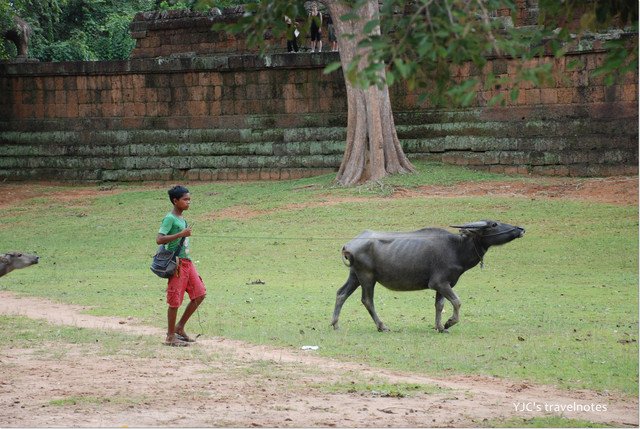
point(177, 192)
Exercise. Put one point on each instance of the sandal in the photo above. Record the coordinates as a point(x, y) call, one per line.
point(184, 337)
point(175, 342)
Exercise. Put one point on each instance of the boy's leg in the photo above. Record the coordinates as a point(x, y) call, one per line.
point(172, 315)
point(197, 292)
point(188, 312)
point(175, 293)
point(171, 339)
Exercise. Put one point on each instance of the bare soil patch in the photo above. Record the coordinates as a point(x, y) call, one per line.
point(14, 193)
point(611, 190)
point(619, 190)
point(228, 383)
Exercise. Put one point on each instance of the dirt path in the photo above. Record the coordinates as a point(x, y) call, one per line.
point(222, 382)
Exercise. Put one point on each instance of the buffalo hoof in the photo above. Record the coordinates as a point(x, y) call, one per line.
point(449, 324)
point(383, 329)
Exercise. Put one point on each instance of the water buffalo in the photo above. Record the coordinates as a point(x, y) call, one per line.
point(430, 258)
point(14, 260)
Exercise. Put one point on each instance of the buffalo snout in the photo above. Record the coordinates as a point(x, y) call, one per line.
point(16, 260)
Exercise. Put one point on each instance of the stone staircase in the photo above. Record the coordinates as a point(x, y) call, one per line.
point(539, 146)
point(220, 154)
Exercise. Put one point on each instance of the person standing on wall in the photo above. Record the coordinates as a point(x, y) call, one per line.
point(333, 39)
point(292, 35)
point(315, 27)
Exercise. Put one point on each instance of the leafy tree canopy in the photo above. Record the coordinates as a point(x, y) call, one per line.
point(67, 30)
point(6, 20)
point(418, 41)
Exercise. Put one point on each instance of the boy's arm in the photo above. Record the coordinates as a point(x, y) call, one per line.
point(164, 239)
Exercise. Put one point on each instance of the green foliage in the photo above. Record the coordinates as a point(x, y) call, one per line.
point(419, 41)
point(261, 17)
point(200, 4)
point(43, 15)
point(6, 16)
point(583, 15)
point(75, 48)
point(6, 22)
point(82, 30)
point(420, 45)
point(117, 43)
point(174, 5)
point(618, 62)
point(578, 19)
point(68, 30)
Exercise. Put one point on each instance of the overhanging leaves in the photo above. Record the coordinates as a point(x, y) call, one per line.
point(417, 42)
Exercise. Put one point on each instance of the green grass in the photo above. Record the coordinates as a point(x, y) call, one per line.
point(92, 400)
point(559, 306)
point(49, 340)
point(542, 422)
point(382, 389)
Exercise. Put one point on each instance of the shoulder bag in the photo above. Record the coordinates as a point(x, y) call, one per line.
point(165, 261)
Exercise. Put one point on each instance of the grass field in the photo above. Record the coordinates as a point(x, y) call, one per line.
point(559, 306)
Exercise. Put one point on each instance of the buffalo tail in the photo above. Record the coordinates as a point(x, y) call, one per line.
point(347, 257)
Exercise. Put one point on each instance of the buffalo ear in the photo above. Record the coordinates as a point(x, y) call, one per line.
point(4, 260)
point(472, 225)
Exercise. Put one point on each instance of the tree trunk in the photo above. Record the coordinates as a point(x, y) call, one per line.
point(373, 150)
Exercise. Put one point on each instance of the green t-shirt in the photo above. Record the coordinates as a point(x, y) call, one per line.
point(171, 224)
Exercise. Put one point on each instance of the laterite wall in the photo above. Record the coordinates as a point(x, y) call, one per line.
point(232, 116)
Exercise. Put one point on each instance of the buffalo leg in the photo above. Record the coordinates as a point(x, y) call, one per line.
point(439, 307)
point(367, 301)
point(451, 296)
point(343, 293)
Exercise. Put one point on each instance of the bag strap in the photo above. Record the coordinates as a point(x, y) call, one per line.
point(179, 248)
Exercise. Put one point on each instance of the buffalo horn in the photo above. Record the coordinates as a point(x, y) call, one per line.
point(472, 225)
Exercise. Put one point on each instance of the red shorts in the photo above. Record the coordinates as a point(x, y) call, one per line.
point(186, 279)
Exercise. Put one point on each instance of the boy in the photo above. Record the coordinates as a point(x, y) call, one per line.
point(186, 278)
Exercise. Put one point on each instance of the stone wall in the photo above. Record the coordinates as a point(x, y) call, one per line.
point(526, 13)
point(227, 116)
point(162, 33)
